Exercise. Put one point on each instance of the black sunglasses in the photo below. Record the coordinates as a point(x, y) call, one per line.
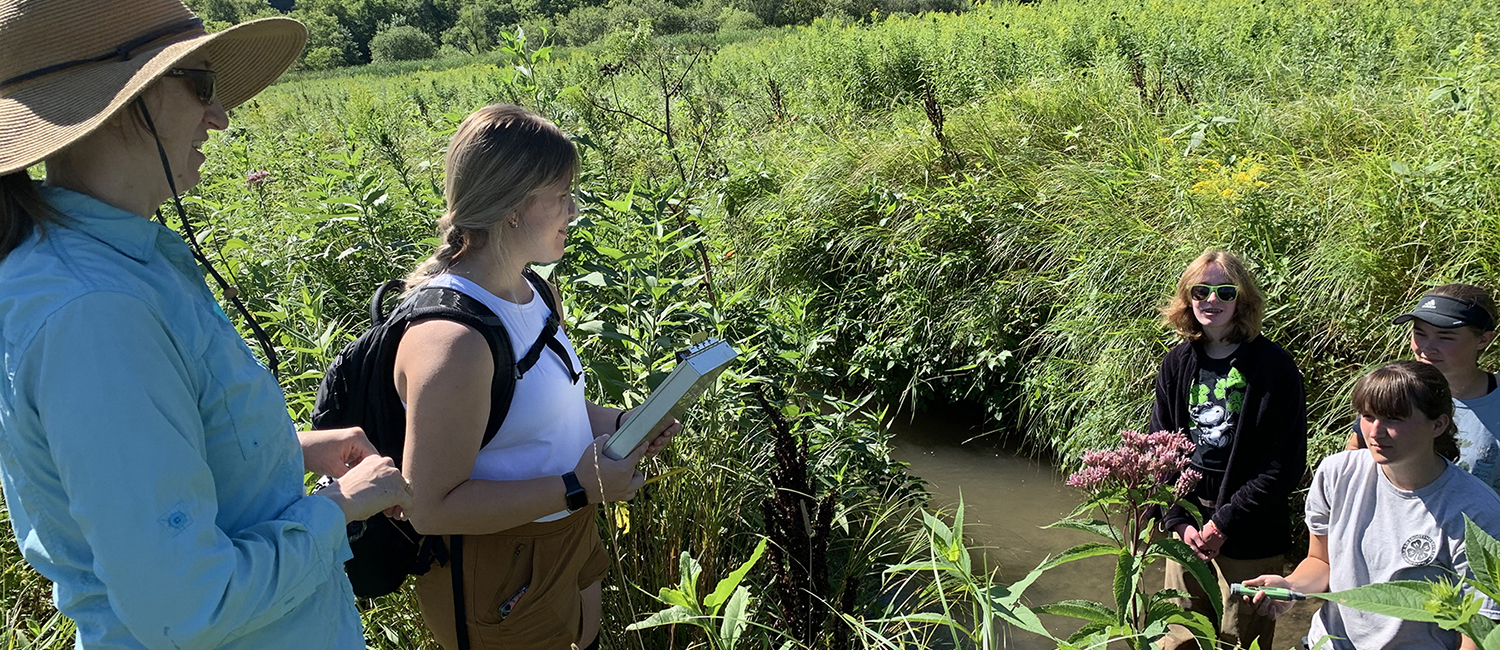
point(205, 82)
point(1227, 292)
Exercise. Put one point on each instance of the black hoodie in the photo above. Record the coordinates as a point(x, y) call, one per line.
point(1269, 454)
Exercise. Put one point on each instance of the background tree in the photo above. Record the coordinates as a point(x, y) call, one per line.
point(479, 23)
point(219, 14)
point(329, 43)
point(402, 43)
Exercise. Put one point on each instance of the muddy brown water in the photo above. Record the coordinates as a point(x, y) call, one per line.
point(1008, 498)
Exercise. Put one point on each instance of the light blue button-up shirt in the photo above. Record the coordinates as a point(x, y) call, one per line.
point(147, 458)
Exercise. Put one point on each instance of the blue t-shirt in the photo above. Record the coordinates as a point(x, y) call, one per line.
point(1478, 451)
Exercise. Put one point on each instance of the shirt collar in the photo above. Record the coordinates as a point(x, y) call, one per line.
point(129, 233)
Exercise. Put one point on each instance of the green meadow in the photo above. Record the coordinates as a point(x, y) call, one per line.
point(983, 207)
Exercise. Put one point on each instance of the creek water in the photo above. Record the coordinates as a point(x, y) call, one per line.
point(1008, 498)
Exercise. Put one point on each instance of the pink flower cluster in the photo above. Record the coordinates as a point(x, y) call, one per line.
point(257, 178)
point(1141, 462)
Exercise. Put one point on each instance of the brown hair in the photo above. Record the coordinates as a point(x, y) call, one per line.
point(22, 210)
point(1400, 388)
point(498, 160)
point(1470, 294)
point(1249, 309)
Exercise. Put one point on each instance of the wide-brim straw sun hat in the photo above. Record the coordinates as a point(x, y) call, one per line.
point(67, 66)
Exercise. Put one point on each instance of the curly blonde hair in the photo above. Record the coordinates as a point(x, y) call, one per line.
point(1249, 309)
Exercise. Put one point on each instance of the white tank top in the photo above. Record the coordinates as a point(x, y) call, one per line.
point(547, 427)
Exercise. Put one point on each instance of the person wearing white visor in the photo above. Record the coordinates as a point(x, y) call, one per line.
point(1451, 326)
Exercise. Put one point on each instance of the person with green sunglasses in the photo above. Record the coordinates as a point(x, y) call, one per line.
point(1239, 398)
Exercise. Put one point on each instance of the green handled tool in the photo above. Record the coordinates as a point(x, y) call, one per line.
point(1274, 593)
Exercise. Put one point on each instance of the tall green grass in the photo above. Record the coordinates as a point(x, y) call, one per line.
point(988, 206)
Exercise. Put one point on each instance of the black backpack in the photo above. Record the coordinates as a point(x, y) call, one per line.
point(359, 390)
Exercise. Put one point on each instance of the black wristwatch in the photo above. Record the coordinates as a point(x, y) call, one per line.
point(577, 498)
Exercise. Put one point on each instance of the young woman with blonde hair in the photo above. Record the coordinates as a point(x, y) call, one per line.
point(1392, 511)
point(1239, 398)
point(532, 559)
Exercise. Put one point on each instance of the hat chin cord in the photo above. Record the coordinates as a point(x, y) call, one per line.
point(192, 239)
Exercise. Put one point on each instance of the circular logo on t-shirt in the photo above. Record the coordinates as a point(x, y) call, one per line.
point(1419, 550)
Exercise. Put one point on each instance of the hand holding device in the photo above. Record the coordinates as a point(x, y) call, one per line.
point(1262, 593)
point(697, 367)
point(606, 479)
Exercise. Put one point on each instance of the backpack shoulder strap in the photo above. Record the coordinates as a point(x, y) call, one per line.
point(547, 339)
point(544, 290)
point(377, 302)
point(449, 304)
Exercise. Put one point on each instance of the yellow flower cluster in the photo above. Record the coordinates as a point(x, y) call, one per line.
point(1229, 183)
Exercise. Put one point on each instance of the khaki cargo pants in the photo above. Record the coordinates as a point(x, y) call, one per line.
point(553, 560)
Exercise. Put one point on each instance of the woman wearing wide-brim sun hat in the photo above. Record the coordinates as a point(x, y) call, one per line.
point(147, 459)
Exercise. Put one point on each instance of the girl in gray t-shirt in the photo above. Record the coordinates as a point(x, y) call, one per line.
point(1392, 511)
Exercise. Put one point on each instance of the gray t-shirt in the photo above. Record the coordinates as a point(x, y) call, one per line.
point(1478, 451)
point(1379, 533)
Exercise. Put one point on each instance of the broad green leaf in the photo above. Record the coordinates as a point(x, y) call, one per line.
point(1484, 558)
point(1160, 608)
point(1491, 640)
point(605, 330)
point(1478, 627)
point(677, 598)
point(687, 577)
point(1126, 576)
point(1100, 528)
point(940, 531)
point(735, 617)
point(1153, 630)
point(1002, 603)
point(1079, 552)
point(1090, 634)
point(1404, 599)
point(727, 586)
point(619, 205)
point(669, 616)
point(1087, 610)
point(1202, 628)
point(1174, 549)
point(1165, 594)
point(1009, 595)
point(1022, 617)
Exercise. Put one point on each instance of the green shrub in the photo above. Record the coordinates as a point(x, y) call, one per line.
point(731, 19)
point(583, 25)
point(322, 58)
point(663, 17)
point(478, 24)
point(401, 43)
point(329, 44)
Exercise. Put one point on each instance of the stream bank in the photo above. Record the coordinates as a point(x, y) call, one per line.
point(1008, 498)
